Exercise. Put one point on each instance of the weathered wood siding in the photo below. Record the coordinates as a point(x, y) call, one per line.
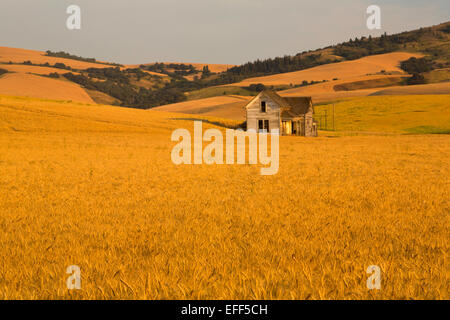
point(309, 130)
point(254, 113)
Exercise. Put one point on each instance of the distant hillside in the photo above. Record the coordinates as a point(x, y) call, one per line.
point(426, 58)
point(432, 41)
point(388, 63)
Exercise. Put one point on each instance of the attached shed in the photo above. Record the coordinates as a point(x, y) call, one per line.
point(290, 116)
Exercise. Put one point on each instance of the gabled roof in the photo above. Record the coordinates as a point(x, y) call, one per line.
point(275, 97)
point(299, 105)
point(293, 106)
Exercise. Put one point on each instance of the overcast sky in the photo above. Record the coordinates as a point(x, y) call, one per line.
point(212, 31)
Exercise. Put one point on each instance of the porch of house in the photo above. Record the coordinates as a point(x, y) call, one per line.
point(295, 126)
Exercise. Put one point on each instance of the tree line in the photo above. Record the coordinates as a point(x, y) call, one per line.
point(118, 86)
point(65, 55)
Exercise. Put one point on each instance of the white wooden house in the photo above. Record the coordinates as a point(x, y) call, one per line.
point(290, 115)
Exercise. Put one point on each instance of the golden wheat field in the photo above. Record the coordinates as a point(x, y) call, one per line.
point(390, 114)
point(94, 186)
point(36, 86)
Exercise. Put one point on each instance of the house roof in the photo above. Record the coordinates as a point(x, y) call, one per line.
point(278, 99)
point(299, 105)
point(293, 106)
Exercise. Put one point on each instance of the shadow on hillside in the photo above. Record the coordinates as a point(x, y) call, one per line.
point(216, 123)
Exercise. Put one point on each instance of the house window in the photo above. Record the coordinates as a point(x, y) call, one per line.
point(263, 125)
point(263, 107)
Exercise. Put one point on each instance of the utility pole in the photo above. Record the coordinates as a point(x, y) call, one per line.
point(334, 128)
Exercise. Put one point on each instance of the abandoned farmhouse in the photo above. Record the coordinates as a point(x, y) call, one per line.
point(290, 115)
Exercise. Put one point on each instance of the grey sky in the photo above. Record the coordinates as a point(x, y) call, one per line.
point(213, 31)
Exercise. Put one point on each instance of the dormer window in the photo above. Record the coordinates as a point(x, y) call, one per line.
point(263, 107)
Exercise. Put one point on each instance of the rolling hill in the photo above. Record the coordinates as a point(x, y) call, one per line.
point(357, 68)
point(30, 85)
point(432, 88)
point(16, 55)
point(228, 107)
point(389, 63)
